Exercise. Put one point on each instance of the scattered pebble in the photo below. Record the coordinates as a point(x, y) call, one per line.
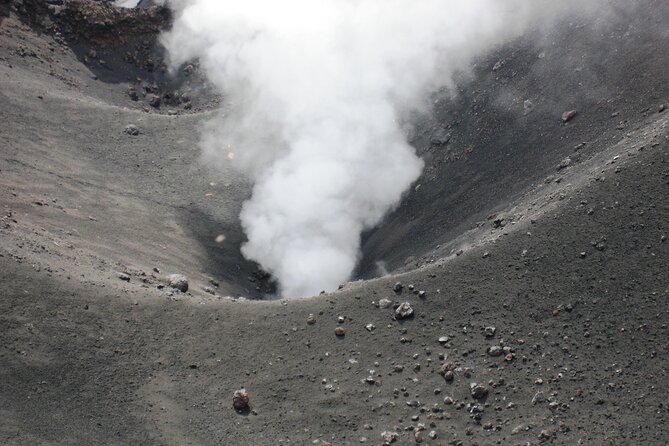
point(564, 163)
point(404, 311)
point(385, 303)
point(568, 115)
point(478, 391)
point(240, 400)
point(495, 350)
point(132, 129)
point(178, 282)
point(389, 437)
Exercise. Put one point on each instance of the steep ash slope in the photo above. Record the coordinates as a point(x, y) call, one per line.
point(586, 334)
point(99, 196)
point(502, 131)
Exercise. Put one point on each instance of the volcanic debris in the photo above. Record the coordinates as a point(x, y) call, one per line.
point(240, 400)
point(404, 311)
point(178, 282)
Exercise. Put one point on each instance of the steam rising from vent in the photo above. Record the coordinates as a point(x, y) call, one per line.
point(315, 92)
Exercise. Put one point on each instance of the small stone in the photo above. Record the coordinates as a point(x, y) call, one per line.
point(443, 340)
point(398, 287)
point(370, 327)
point(518, 429)
point(178, 282)
point(132, 129)
point(545, 434)
point(418, 436)
point(311, 319)
point(564, 163)
point(662, 108)
point(341, 319)
point(538, 398)
point(495, 350)
point(385, 303)
point(568, 115)
point(528, 106)
point(339, 331)
point(389, 437)
point(445, 367)
point(489, 331)
point(404, 311)
point(132, 93)
point(240, 400)
point(478, 391)
point(422, 294)
point(154, 101)
point(432, 434)
point(124, 277)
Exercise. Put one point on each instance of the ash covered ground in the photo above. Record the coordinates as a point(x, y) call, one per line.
point(532, 253)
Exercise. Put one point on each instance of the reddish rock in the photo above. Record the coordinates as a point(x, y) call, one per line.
point(568, 115)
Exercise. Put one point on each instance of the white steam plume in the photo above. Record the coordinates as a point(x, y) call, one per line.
point(314, 91)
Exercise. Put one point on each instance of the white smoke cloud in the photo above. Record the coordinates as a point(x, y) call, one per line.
point(314, 91)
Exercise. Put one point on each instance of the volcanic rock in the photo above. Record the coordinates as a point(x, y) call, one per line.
point(404, 311)
point(495, 350)
point(568, 115)
point(240, 400)
point(178, 282)
point(478, 391)
point(385, 303)
point(132, 129)
point(154, 101)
